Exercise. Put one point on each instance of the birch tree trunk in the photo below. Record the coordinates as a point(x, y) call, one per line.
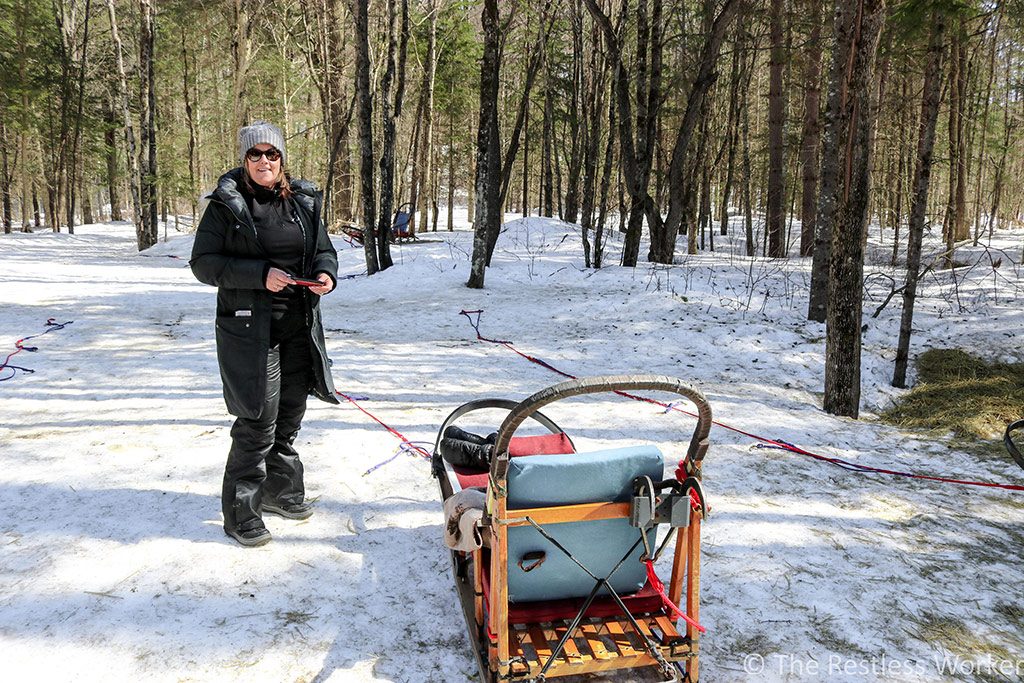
point(142, 239)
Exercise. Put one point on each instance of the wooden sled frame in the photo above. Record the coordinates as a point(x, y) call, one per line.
point(528, 651)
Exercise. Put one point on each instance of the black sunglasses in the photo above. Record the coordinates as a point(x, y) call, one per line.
point(255, 154)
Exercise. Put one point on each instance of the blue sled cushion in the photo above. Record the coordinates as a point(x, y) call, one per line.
point(551, 480)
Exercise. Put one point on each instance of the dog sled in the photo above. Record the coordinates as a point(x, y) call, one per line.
point(555, 569)
point(400, 229)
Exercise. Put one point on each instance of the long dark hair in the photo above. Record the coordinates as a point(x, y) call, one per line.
point(283, 186)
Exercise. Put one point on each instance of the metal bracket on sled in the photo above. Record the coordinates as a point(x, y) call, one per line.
point(651, 505)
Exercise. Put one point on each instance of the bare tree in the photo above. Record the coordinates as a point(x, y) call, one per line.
point(846, 270)
point(142, 237)
point(811, 133)
point(360, 14)
point(930, 101)
point(488, 152)
point(776, 125)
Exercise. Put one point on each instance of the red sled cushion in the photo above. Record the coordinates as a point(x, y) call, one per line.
point(520, 446)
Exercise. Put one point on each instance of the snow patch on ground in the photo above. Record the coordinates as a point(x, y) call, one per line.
point(114, 564)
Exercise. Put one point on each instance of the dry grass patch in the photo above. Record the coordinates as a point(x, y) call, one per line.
point(961, 393)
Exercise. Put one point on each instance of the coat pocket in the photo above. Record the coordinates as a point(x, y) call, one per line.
point(243, 365)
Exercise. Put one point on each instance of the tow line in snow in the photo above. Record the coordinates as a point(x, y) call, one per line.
point(407, 445)
point(51, 326)
point(767, 443)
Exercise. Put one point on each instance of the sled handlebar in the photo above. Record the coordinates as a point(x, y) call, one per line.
point(1009, 443)
point(530, 406)
point(484, 404)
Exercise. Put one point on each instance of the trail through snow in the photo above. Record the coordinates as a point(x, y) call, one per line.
point(114, 566)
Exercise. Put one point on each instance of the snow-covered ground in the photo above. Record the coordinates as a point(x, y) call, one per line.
point(114, 566)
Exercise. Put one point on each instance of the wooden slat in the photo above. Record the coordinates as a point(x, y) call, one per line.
point(478, 586)
point(675, 585)
point(619, 636)
point(668, 629)
point(591, 633)
point(572, 653)
point(585, 512)
point(499, 588)
point(645, 628)
point(599, 665)
point(540, 643)
point(693, 590)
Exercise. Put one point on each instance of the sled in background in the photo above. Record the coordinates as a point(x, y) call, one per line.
point(561, 585)
point(400, 229)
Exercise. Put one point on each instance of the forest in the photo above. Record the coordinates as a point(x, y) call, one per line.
point(660, 119)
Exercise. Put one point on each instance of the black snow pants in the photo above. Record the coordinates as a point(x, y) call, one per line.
point(263, 465)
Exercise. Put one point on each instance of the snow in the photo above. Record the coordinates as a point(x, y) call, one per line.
point(114, 565)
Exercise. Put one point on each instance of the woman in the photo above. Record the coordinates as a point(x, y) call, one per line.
point(260, 231)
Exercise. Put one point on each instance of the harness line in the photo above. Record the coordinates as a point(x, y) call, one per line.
point(51, 326)
point(407, 445)
point(775, 443)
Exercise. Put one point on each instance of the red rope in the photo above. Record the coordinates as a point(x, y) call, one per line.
point(401, 437)
point(658, 586)
point(680, 471)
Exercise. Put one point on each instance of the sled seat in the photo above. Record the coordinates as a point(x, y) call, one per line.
point(560, 481)
point(520, 446)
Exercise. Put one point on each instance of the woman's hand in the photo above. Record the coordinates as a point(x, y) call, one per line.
point(277, 280)
point(328, 284)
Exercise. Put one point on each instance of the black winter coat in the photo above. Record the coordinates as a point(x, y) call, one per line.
point(228, 255)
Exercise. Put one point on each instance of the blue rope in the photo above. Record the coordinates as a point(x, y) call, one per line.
point(404, 448)
point(51, 326)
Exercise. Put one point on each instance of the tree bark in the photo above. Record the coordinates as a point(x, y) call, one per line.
point(360, 12)
point(576, 123)
point(422, 169)
point(186, 83)
point(390, 111)
point(664, 235)
point(488, 152)
point(811, 134)
point(836, 122)
point(141, 236)
point(930, 100)
point(547, 167)
point(846, 270)
point(636, 154)
point(147, 122)
point(241, 53)
point(776, 124)
point(110, 140)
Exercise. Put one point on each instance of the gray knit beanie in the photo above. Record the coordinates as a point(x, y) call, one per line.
point(260, 132)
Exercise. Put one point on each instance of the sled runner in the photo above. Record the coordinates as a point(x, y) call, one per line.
point(561, 581)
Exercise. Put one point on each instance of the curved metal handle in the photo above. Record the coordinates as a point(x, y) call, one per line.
point(484, 404)
point(601, 384)
point(1008, 441)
